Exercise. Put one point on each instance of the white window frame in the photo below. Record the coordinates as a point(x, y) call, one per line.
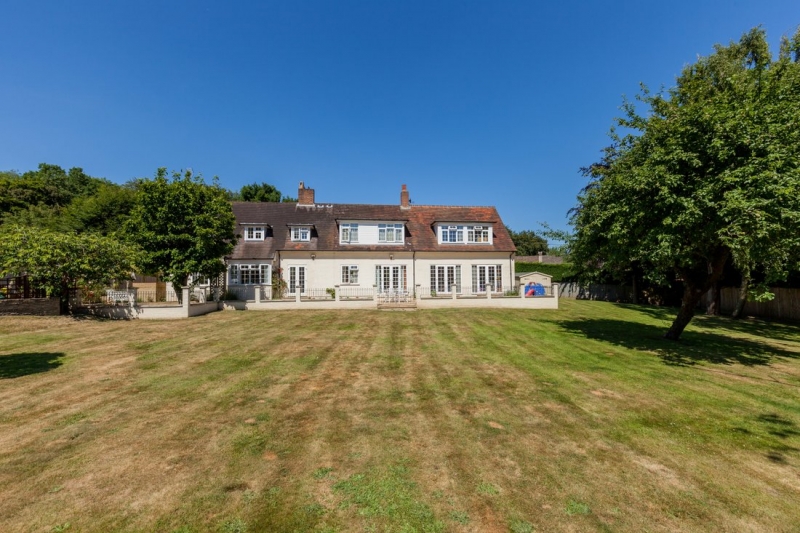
point(254, 233)
point(348, 233)
point(250, 274)
point(296, 278)
point(300, 233)
point(391, 233)
point(349, 274)
point(491, 274)
point(391, 278)
point(479, 234)
point(441, 278)
point(451, 234)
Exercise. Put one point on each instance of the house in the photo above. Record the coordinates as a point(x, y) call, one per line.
point(359, 249)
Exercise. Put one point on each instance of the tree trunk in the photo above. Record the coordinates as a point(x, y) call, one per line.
point(737, 312)
point(63, 299)
point(713, 305)
point(691, 296)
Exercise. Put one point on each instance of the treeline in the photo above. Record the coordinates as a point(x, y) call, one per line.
point(72, 201)
point(66, 229)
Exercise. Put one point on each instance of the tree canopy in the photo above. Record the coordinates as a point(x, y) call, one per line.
point(60, 200)
point(182, 225)
point(263, 192)
point(710, 173)
point(528, 242)
point(58, 262)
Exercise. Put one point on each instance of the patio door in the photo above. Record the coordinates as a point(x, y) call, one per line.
point(390, 278)
point(297, 280)
point(443, 277)
point(486, 276)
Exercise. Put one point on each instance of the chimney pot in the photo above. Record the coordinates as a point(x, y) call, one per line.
point(405, 203)
point(305, 196)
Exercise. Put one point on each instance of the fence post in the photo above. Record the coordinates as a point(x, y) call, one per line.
point(375, 293)
point(132, 297)
point(336, 292)
point(453, 290)
point(186, 302)
point(257, 289)
point(268, 291)
point(418, 292)
point(488, 289)
point(521, 290)
point(297, 294)
point(554, 288)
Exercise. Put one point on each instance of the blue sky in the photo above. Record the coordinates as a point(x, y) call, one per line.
point(469, 103)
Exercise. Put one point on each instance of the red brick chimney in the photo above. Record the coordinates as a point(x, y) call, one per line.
point(405, 203)
point(305, 196)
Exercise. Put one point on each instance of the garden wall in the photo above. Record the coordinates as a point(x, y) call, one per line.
point(29, 306)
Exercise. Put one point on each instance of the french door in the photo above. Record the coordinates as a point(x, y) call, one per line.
point(443, 277)
point(390, 278)
point(297, 279)
point(487, 276)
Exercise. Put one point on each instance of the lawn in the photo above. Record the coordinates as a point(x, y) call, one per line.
point(580, 419)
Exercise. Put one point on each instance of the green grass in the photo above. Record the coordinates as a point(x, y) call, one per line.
point(581, 419)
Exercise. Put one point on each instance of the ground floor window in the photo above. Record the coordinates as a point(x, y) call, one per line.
point(350, 274)
point(256, 274)
point(443, 277)
point(391, 278)
point(297, 279)
point(487, 276)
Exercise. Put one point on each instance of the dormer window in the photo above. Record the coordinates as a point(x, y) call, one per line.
point(452, 233)
point(254, 233)
point(301, 233)
point(465, 234)
point(348, 233)
point(478, 234)
point(392, 233)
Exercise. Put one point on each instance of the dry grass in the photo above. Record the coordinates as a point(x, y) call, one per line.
point(575, 420)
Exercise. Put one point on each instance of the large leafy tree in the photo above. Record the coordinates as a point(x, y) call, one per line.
point(710, 173)
point(58, 262)
point(528, 242)
point(183, 226)
point(262, 192)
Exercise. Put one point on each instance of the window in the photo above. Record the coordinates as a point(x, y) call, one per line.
point(452, 233)
point(349, 233)
point(390, 278)
point(297, 280)
point(254, 233)
point(301, 233)
point(487, 276)
point(350, 274)
point(443, 277)
point(473, 234)
point(478, 234)
point(390, 233)
point(249, 274)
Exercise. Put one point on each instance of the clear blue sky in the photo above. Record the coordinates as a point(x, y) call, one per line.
point(469, 103)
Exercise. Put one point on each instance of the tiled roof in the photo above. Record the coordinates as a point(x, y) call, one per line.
point(419, 221)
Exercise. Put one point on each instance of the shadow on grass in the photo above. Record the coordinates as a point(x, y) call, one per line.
point(694, 346)
point(784, 429)
point(16, 365)
point(788, 331)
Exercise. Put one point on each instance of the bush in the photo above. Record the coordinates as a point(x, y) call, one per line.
point(562, 272)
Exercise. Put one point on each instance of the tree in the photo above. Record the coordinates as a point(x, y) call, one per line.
point(527, 242)
point(58, 262)
point(182, 225)
point(711, 173)
point(263, 192)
